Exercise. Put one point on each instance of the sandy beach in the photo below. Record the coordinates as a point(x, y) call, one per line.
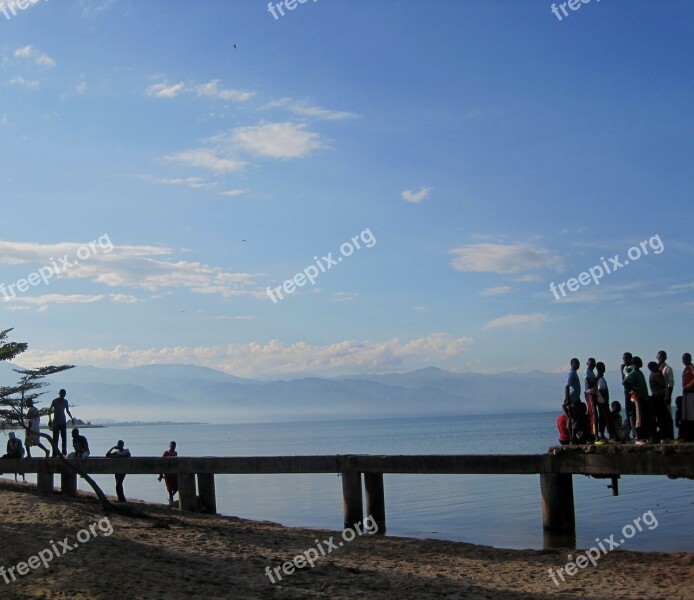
point(167, 554)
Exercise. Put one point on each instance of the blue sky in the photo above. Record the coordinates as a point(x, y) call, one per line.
point(485, 149)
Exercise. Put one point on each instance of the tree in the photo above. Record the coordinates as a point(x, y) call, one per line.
point(13, 404)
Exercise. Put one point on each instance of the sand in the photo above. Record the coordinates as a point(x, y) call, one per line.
point(170, 555)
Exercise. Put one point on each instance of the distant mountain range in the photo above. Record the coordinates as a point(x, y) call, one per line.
point(193, 393)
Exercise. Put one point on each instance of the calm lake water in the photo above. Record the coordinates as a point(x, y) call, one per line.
point(502, 511)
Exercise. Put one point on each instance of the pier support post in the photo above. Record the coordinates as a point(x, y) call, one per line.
point(68, 484)
point(207, 492)
point(352, 506)
point(557, 502)
point(187, 499)
point(44, 482)
point(375, 500)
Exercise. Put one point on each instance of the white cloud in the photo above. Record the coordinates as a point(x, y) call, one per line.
point(273, 357)
point(503, 258)
point(496, 291)
point(191, 182)
point(344, 296)
point(306, 110)
point(140, 267)
point(164, 90)
point(233, 193)
point(207, 158)
point(30, 84)
point(529, 320)
point(81, 88)
point(411, 196)
point(276, 140)
point(35, 55)
point(212, 90)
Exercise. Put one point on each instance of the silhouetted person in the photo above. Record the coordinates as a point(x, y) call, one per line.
point(616, 433)
point(32, 437)
point(629, 409)
point(602, 404)
point(656, 402)
point(119, 451)
point(15, 450)
point(80, 445)
point(59, 407)
point(591, 392)
point(572, 397)
point(687, 411)
point(170, 479)
point(669, 376)
point(635, 384)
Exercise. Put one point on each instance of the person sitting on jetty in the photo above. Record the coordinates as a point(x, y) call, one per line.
point(563, 426)
point(80, 444)
point(32, 437)
point(170, 479)
point(119, 451)
point(616, 431)
point(635, 382)
point(15, 450)
point(59, 407)
point(686, 431)
point(572, 397)
point(602, 404)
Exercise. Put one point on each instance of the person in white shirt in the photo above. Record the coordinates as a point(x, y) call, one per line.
point(669, 375)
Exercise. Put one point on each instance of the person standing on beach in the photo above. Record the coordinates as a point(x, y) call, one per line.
point(572, 397)
point(119, 451)
point(686, 432)
point(635, 384)
point(628, 404)
point(32, 437)
point(669, 377)
point(58, 408)
point(170, 479)
point(591, 395)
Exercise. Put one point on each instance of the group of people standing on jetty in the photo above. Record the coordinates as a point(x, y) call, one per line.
point(57, 422)
point(648, 416)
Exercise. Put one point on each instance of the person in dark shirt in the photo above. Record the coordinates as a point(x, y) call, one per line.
point(56, 418)
point(657, 404)
point(80, 444)
point(119, 451)
point(15, 450)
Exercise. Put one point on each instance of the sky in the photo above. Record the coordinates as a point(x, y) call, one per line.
point(416, 183)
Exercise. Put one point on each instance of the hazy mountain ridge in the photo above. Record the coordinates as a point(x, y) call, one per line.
point(189, 392)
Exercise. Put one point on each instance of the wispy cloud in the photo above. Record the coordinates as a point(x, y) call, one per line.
point(207, 158)
point(503, 258)
point(34, 55)
point(30, 84)
point(496, 291)
point(410, 196)
point(529, 320)
point(233, 193)
point(164, 90)
point(212, 90)
point(304, 109)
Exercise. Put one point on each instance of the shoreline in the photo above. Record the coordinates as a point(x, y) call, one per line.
point(168, 554)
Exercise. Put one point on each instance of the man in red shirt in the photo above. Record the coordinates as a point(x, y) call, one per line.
point(563, 427)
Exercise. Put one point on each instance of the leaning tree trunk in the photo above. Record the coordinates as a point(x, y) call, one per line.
point(104, 501)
